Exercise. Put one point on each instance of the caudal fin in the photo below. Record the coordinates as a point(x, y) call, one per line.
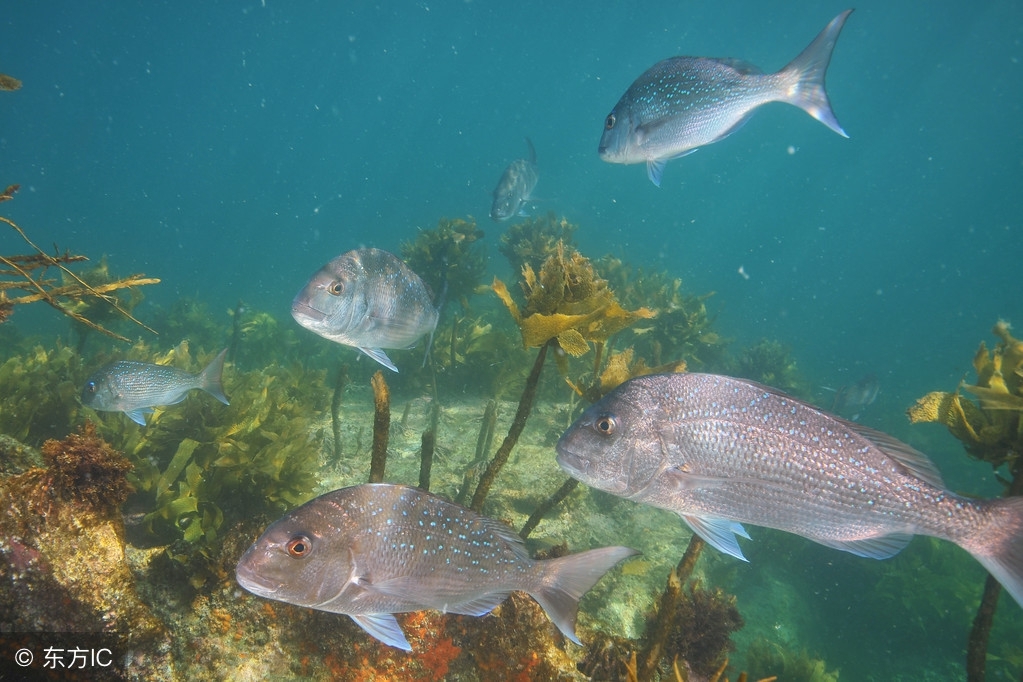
point(210, 379)
point(807, 73)
point(1000, 547)
point(565, 580)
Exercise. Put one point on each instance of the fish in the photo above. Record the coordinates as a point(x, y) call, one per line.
point(852, 399)
point(368, 299)
point(372, 550)
point(515, 187)
point(721, 452)
point(135, 388)
point(683, 103)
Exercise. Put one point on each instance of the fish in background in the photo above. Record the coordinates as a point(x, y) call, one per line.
point(683, 103)
point(851, 400)
point(515, 187)
point(721, 452)
point(369, 299)
point(135, 388)
point(373, 550)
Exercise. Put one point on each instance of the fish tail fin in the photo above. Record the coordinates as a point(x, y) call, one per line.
point(565, 580)
point(806, 75)
point(999, 548)
point(532, 151)
point(211, 378)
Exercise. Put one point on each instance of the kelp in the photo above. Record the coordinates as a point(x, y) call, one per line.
point(991, 432)
point(200, 466)
point(450, 256)
point(534, 240)
point(74, 296)
point(39, 394)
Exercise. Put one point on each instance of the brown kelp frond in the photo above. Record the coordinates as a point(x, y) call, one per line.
point(68, 297)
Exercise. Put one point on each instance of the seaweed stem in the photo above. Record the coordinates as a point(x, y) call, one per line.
point(335, 407)
point(518, 424)
point(486, 436)
point(976, 648)
point(667, 609)
point(426, 456)
point(544, 507)
point(381, 427)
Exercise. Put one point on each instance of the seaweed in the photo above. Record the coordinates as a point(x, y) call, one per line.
point(991, 432)
point(449, 256)
point(38, 394)
point(771, 363)
point(381, 427)
point(534, 240)
point(84, 469)
point(198, 468)
point(75, 296)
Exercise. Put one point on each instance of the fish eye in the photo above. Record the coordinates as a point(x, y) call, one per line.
point(609, 122)
point(91, 387)
point(299, 546)
point(605, 425)
point(336, 288)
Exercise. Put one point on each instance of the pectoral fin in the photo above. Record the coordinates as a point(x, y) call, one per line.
point(718, 533)
point(139, 416)
point(380, 356)
point(384, 627)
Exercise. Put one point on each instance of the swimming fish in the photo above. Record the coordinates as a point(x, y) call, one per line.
point(721, 452)
point(683, 103)
point(136, 387)
point(368, 299)
point(850, 400)
point(373, 550)
point(515, 187)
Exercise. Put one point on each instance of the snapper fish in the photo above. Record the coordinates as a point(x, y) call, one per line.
point(369, 299)
point(135, 388)
point(683, 103)
point(373, 550)
point(515, 187)
point(721, 452)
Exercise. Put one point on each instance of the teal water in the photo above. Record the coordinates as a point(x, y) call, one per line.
point(232, 148)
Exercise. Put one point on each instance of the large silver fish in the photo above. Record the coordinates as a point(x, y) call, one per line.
point(515, 187)
point(721, 452)
point(681, 104)
point(135, 388)
point(368, 299)
point(377, 549)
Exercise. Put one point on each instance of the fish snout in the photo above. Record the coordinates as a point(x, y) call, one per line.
point(301, 310)
point(250, 579)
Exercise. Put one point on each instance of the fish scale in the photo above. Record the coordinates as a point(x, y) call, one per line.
point(721, 452)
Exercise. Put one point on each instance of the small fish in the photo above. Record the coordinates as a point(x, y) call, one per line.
point(368, 299)
point(683, 103)
point(851, 400)
point(515, 187)
point(721, 452)
point(373, 550)
point(135, 388)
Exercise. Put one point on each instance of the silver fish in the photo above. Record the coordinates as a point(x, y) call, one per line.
point(515, 187)
point(368, 299)
point(721, 452)
point(136, 387)
point(373, 550)
point(683, 103)
point(850, 400)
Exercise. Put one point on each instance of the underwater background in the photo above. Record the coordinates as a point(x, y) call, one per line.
point(230, 149)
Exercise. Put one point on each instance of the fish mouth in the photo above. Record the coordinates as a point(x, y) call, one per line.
point(253, 582)
point(300, 310)
point(574, 465)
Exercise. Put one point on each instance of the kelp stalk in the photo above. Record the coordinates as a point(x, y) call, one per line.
point(658, 635)
point(486, 436)
point(335, 407)
point(976, 648)
point(381, 427)
point(426, 458)
point(518, 424)
point(534, 519)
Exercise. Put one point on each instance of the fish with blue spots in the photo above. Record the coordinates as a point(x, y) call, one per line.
point(370, 551)
point(683, 103)
point(721, 452)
